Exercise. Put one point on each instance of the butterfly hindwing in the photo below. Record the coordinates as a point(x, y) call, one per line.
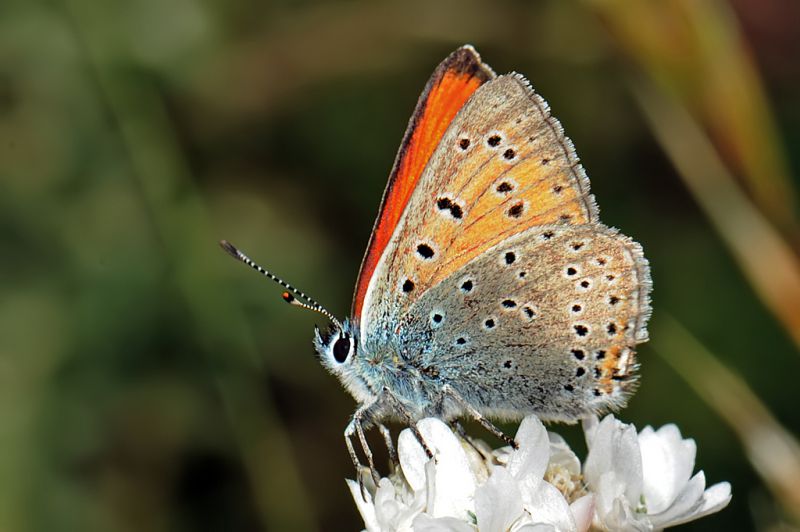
point(545, 322)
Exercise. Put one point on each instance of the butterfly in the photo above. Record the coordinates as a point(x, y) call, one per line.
point(489, 289)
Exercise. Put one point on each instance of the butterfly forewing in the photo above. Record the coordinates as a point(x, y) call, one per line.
point(503, 166)
point(451, 85)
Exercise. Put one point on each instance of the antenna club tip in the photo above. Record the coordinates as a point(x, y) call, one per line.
point(229, 248)
point(289, 298)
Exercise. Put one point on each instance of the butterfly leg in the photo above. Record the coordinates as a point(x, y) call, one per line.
point(349, 432)
point(356, 428)
point(409, 419)
point(448, 391)
point(366, 415)
point(459, 429)
point(387, 437)
point(362, 437)
point(420, 439)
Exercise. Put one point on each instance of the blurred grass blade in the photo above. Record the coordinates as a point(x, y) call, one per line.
point(773, 451)
point(191, 251)
point(766, 259)
point(694, 51)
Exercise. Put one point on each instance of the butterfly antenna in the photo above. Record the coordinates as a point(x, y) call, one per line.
point(292, 293)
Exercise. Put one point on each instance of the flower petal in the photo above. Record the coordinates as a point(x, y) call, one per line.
point(715, 499)
point(615, 447)
point(498, 503)
point(412, 459)
point(582, 512)
point(530, 460)
point(712, 500)
point(667, 464)
point(613, 511)
point(688, 500)
point(426, 523)
point(453, 481)
point(476, 452)
point(589, 425)
point(548, 506)
point(365, 507)
point(503, 454)
point(537, 527)
point(391, 511)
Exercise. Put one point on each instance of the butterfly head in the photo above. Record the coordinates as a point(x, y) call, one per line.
point(338, 350)
point(337, 346)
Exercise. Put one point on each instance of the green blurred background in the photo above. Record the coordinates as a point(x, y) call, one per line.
point(149, 383)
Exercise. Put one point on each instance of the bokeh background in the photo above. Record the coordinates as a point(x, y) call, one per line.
point(149, 383)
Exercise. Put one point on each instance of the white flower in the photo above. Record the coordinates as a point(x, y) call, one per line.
point(629, 482)
point(643, 482)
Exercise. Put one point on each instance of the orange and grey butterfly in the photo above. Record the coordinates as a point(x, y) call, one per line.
point(496, 246)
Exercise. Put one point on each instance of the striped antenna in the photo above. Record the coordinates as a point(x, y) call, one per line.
point(291, 295)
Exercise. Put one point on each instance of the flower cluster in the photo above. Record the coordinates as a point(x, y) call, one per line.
point(629, 481)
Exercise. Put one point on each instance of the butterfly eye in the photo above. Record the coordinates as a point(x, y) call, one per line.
point(341, 348)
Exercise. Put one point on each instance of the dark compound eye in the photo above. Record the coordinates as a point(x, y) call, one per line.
point(341, 349)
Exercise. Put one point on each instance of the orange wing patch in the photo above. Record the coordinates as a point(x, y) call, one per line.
point(451, 85)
